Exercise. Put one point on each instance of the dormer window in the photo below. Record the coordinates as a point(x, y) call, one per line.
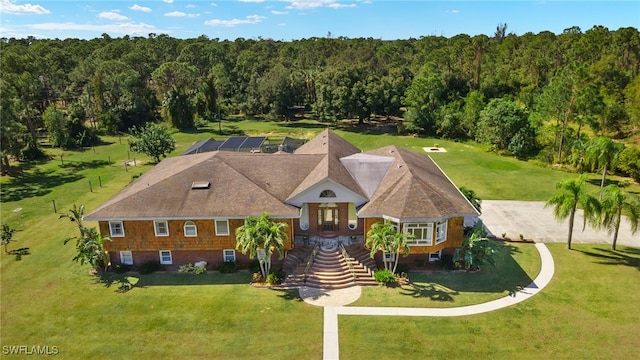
point(327, 194)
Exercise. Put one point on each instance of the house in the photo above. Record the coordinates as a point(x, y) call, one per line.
point(186, 208)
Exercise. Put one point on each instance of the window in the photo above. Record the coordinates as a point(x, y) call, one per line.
point(441, 232)
point(327, 194)
point(229, 255)
point(222, 227)
point(161, 228)
point(435, 256)
point(388, 257)
point(126, 258)
point(116, 228)
point(422, 233)
point(165, 257)
point(190, 229)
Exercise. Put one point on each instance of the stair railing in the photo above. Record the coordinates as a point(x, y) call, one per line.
point(310, 260)
point(347, 259)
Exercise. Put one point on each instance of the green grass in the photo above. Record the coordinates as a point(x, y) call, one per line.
point(588, 311)
point(48, 300)
point(517, 265)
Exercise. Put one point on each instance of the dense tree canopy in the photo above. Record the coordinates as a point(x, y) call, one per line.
point(568, 86)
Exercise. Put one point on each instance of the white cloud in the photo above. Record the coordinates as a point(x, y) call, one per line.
point(310, 4)
point(251, 19)
point(168, 1)
point(339, 6)
point(251, 1)
point(112, 15)
point(137, 7)
point(181, 14)
point(9, 7)
point(275, 12)
point(129, 28)
point(190, 6)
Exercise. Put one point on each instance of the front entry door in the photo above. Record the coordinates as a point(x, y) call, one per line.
point(328, 217)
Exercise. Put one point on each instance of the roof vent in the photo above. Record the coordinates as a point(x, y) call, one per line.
point(200, 185)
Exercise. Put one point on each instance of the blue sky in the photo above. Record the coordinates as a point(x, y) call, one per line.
point(296, 19)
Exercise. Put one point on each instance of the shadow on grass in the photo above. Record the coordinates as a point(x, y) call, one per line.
point(19, 253)
point(289, 294)
point(445, 286)
point(128, 281)
point(628, 256)
point(307, 125)
point(35, 183)
point(81, 165)
point(620, 183)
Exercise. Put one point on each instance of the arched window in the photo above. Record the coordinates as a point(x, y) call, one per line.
point(327, 194)
point(190, 229)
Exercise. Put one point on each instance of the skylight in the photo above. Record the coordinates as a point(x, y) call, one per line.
point(200, 185)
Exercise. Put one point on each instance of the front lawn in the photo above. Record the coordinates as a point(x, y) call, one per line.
point(47, 300)
point(517, 265)
point(588, 311)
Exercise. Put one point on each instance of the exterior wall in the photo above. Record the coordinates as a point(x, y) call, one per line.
point(455, 233)
point(343, 223)
point(140, 236)
point(181, 257)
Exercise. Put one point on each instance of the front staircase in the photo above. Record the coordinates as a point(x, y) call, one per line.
point(329, 268)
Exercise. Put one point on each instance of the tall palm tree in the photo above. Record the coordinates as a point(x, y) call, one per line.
point(602, 153)
point(384, 237)
point(261, 233)
point(616, 204)
point(75, 215)
point(571, 196)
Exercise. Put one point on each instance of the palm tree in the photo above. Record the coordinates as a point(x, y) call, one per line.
point(90, 243)
point(571, 196)
point(261, 233)
point(616, 204)
point(602, 153)
point(384, 237)
point(75, 215)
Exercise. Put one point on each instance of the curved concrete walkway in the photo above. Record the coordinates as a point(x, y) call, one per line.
point(331, 340)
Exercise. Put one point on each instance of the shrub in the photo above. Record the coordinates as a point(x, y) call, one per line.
point(149, 267)
point(254, 266)
point(186, 268)
point(446, 262)
point(256, 277)
point(190, 268)
point(227, 267)
point(121, 268)
point(402, 268)
point(384, 276)
point(274, 277)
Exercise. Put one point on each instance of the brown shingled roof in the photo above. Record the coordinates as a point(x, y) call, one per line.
point(414, 188)
point(407, 185)
point(333, 147)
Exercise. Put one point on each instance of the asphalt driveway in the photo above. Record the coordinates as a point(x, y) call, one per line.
point(534, 221)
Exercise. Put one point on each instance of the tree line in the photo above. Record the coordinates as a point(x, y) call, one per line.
point(543, 96)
